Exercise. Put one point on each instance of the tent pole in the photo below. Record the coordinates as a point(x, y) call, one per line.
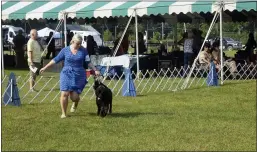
point(221, 44)
point(193, 66)
point(2, 55)
point(146, 37)
point(137, 43)
point(65, 28)
point(117, 47)
point(162, 30)
point(122, 36)
point(56, 29)
point(2, 50)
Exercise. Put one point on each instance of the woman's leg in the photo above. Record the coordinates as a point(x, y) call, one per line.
point(185, 64)
point(75, 99)
point(190, 59)
point(64, 102)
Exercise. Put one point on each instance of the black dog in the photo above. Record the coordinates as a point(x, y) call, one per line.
point(103, 99)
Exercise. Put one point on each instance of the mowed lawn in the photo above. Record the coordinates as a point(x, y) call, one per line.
point(214, 119)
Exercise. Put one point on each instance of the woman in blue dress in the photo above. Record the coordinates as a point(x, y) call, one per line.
point(73, 76)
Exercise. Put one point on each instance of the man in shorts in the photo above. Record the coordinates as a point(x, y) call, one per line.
point(34, 57)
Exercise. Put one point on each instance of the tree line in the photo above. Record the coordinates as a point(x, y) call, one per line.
point(238, 31)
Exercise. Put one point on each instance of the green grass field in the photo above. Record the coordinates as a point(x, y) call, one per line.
point(200, 119)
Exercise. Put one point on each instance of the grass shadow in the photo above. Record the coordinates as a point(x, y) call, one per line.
point(131, 114)
point(238, 82)
point(141, 95)
point(56, 89)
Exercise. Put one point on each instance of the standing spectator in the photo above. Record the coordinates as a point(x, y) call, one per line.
point(51, 46)
point(120, 50)
point(125, 43)
point(91, 45)
point(184, 37)
point(19, 43)
point(141, 44)
point(70, 38)
point(72, 77)
point(188, 51)
point(197, 41)
point(162, 51)
point(84, 43)
point(250, 46)
point(34, 56)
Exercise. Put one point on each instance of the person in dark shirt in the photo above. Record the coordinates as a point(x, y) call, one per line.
point(141, 44)
point(70, 37)
point(91, 45)
point(125, 43)
point(19, 43)
point(162, 51)
point(197, 41)
point(250, 46)
point(120, 50)
point(51, 46)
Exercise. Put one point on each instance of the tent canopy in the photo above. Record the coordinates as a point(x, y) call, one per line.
point(46, 31)
point(88, 9)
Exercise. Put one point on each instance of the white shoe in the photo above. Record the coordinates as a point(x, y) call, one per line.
point(72, 109)
point(63, 116)
point(33, 90)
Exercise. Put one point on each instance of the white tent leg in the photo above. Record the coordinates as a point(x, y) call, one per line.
point(65, 28)
point(207, 35)
point(221, 45)
point(146, 37)
point(117, 47)
point(2, 56)
point(2, 50)
point(137, 44)
point(56, 29)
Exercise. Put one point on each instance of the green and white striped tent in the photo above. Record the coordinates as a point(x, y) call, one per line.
point(86, 9)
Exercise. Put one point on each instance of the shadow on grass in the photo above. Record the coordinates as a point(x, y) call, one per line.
point(55, 89)
point(132, 114)
point(141, 95)
point(225, 84)
point(238, 82)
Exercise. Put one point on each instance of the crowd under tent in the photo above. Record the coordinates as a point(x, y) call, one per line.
point(172, 11)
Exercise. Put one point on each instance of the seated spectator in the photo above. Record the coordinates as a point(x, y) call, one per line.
point(228, 62)
point(205, 56)
point(216, 52)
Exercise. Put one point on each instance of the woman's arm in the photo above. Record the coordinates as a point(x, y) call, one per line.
point(92, 66)
point(57, 59)
point(52, 62)
point(88, 61)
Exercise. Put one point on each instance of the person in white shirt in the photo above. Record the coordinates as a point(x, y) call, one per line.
point(34, 50)
point(188, 50)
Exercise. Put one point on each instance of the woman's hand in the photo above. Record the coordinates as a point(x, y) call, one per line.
point(97, 73)
point(42, 70)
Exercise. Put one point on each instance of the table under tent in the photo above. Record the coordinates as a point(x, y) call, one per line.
point(172, 11)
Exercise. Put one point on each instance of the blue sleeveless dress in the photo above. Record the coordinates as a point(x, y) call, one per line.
point(72, 76)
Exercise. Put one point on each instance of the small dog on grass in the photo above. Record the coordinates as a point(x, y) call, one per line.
point(103, 98)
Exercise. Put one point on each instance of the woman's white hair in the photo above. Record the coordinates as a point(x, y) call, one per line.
point(76, 38)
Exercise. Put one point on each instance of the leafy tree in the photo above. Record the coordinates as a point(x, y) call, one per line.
point(107, 36)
